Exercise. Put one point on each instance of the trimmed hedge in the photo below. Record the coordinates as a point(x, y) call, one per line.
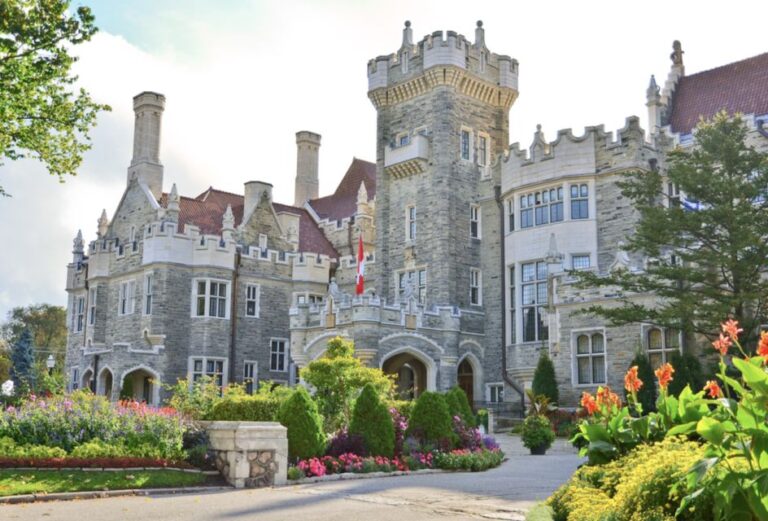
point(305, 426)
point(254, 408)
point(544, 381)
point(430, 419)
point(458, 405)
point(371, 420)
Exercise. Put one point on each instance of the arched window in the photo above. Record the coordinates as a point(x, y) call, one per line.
point(590, 358)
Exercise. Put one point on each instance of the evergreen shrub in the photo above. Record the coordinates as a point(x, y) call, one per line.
point(430, 420)
point(458, 405)
point(305, 426)
point(544, 381)
point(373, 422)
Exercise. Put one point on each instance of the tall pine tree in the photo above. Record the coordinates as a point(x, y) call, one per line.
point(23, 362)
point(706, 252)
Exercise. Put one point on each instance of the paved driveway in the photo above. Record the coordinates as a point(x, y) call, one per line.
point(502, 493)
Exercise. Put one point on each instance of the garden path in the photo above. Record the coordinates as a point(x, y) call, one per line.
point(506, 492)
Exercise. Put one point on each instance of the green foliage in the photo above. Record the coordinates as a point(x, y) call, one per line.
point(544, 381)
point(539, 404)
point(10, 449)
point(338, 377)
point(305, 426)
point(430, 419)
point(294, 474)
point(537, 432)
point(475, 461)
point(42, 117)
point(22, 362)
point(646, 396)
point(371, 420)
point(720, 251)
point(643, 485)
point(688, 372)
point(194, 400)
point(5, 365)
point(482, 418)
point(458, 405)
point(404, 407)
point(257, 408)
point(47, 323)
point(98, 449)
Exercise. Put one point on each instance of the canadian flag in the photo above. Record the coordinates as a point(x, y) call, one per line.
point(360, 278)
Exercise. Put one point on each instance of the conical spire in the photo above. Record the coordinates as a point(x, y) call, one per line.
point(653, 89)
point(172, 209)
point(78, 244)
point(227, 223)
point(103, 224)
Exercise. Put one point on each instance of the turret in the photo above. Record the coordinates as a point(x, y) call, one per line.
point(307, 166)
point(145, 164)
point(78, 248)
point(103, 223)
point(172, 211)
point(653, 102)
point(228, 224)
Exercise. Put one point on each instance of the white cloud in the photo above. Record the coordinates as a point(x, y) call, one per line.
point(236, 97)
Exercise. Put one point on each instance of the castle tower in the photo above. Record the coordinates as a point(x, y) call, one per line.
point(442, 119)
point(307, 166)
point(145, 164)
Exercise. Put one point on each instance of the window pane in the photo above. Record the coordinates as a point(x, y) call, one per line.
point(543, 324)
point(219, 366)
point(584, 370)
point(528, 294)
point(582, 345)
point(673, 339)
point(656, 360)
point(209, 366)
point(598, 344)
point(201, 288)
point(529, 272)
point(200, 306)
point(541, 270)
point(541, 293)
point(598, 369)
point(654, 338)
point(529, 324)
point(250, 308)
point(583, 191)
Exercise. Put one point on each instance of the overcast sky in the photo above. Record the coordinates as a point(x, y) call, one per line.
point(241, 77)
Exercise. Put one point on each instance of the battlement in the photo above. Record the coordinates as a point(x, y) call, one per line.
point(463, 64)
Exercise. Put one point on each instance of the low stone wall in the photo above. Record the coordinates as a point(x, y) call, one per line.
point(250, 454)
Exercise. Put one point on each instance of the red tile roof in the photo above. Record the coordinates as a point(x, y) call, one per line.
point(737, 87)
point(207, 209)
point(343, 202)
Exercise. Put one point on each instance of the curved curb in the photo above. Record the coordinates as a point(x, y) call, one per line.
point(96, 494)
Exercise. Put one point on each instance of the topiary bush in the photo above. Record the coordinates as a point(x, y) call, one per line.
point(305, 426)
point(371, 420)
point(430, 420)
point(544, 381)
point(458, 405)
point(246, 408)
point(537, 432)
point(646, 396)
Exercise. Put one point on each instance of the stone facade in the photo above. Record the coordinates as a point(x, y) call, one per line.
point(467, 244)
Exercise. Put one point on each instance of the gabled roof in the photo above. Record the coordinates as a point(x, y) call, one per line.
point(737, 87)
point(207, 210)
point(343, 202)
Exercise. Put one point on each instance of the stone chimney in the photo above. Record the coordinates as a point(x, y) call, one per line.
point(307, 161)
point(145, 165)
point(252, 195)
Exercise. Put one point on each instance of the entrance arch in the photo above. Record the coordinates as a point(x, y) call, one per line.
point(414, 372)
point(466, 379)
point(87, 379)
point(141, 384)
point(104, 383)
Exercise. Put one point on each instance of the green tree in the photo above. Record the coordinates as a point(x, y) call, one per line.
point(458, 405)
point(371, 420)
point(338, 378)
point(430, 419)
point(704, 265)
point(544, 382)
point(305, 426)
point(646, 396)
point(5, 364)
point(40, 115)
point(23, 362)
point(48, 326)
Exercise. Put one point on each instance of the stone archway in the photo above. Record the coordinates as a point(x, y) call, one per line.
point(104, 383)
point(466, 379)
point(141, 384)
point(414, 372)
point(87, 379)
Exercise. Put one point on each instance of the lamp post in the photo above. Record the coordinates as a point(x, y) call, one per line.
point(50, 363)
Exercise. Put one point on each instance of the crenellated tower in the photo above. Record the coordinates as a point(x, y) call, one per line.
point(442, 120)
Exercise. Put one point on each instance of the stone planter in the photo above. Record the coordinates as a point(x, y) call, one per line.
point(250, 454)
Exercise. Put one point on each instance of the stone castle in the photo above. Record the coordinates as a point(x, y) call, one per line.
point(468, 243)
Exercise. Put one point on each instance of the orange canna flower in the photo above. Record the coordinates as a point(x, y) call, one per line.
point(607, 398)
point(762, 347)
point(631, 382)
point(589, 403)
point(732, 329)
point(722, 344)
point(713, 389)
point(664, 374)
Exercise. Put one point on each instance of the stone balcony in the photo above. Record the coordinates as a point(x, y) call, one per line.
point(407, 160)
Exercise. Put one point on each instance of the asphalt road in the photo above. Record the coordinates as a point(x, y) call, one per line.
point(506, 492)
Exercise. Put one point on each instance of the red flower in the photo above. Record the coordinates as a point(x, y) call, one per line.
point(762, 347)
point(722, 344)
point(732, 329)
point(713, 389)
point(589, 403)
point(631, 382)
point(664, 374)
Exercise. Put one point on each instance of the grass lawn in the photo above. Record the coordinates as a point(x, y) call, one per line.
point(14, 482)
point(540, 512)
